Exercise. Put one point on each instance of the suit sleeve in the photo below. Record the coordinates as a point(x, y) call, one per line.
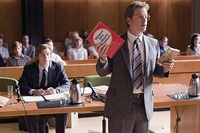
point(63, 81)
point(24, 81)
point(103, 69)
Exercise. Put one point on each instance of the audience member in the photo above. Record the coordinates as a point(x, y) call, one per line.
point(163, 44)
point(4, 43)
point(75, 35)
point(34, 81)
point(54, 57)
point(3, 51)
point(78, 53)
point(27, 49)
point(194, 47)
point(44, 38)
point(68, 40)
point(2, 64)
point(84, 37)
point(17, 58)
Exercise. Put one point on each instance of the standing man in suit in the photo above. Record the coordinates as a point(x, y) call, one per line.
point(44, 77)
point(129, 99)
point(27, 48)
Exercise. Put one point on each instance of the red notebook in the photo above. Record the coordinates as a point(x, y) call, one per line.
point(101, 34)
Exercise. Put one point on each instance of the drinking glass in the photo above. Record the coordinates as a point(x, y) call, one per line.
point(64, 98)
point(10, 93)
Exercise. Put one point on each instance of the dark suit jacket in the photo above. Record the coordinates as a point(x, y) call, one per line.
point(30, 51)
point(119, 94)
point(57, 78)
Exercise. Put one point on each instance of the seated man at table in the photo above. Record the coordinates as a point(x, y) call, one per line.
point(44, 77)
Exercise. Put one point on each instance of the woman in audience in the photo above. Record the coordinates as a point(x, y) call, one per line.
point(194, 47)
point(84, 37)
point(17, 58)
point(78, 53)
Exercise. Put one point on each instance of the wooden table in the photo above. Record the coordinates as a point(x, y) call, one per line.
point(184, 114)
point(17, 109)
point(187, 110)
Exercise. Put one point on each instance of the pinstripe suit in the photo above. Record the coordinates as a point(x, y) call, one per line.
point(120, 93)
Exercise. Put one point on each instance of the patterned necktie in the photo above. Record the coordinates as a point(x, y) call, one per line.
point(137, 65)
point(42, 83)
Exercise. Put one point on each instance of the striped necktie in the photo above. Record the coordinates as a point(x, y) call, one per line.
point(137, 65)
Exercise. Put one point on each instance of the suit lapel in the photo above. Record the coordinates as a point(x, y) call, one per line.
point(146, 52)
point(51, 72)
point(124, 50)
point(35, 76)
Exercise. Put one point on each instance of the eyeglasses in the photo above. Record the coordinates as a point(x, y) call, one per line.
point(147, 17)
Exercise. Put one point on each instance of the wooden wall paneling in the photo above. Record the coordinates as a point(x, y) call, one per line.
point(157, 26)
point(105, 11)
point(10, 22)
point(179, 23)
point(70, 15)
point(122, 8)
point(195, 16)
point(49, 18)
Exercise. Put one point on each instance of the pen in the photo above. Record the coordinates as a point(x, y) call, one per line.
point(44, 98)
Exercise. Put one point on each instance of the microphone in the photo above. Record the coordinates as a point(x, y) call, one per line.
point(94, 94)
point(17, 87)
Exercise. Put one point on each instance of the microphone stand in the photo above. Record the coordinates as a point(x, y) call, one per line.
point(18, 93)
point(95, 95)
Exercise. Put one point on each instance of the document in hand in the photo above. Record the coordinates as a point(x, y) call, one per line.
point(3, 101)
point(101, 34)
point(171, 53)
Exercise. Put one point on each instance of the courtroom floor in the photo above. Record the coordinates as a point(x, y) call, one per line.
point(93, 125)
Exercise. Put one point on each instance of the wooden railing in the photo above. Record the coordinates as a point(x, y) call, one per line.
point(181, 72)
point(187, 57)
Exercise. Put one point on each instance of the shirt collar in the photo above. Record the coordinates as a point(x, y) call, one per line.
point(132, 37)
point(41, 68)
point(22, 56)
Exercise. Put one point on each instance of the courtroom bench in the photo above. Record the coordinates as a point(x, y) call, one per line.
point(181, 72)
point(187, 57)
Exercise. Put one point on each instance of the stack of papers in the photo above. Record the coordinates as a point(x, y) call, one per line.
point(98, 89)
point(40, 98)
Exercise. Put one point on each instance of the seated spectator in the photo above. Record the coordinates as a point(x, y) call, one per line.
point(75, 34)
point(17, 58)
point(92, 52)
point(43, 41)
point(2, 64)
point(84, 37)
point(54, 57)
point(27, 49)
point(3, 51)
point(68, 40)
point(4, 43)
point(79, 52)
point(163, 44)
point(194, 47)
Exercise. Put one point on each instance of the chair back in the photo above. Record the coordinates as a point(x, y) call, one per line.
point(5, 81)
point(96, 80)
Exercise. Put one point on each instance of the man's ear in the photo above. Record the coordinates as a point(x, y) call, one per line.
point(128, 20)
